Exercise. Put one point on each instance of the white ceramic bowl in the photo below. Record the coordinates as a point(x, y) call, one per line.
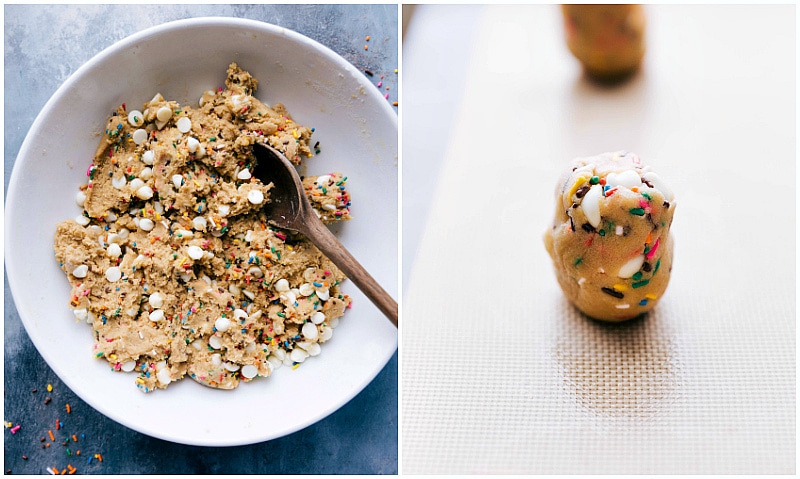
point(357, 130)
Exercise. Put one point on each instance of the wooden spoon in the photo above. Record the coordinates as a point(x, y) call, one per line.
point(289, 208)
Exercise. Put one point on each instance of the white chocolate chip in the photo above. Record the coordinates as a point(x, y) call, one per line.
point(215, 342)
point(81, 314)
point(118, 182)
point(139, 136)
point(113, 274)
point(80, 198)
point(659, 184)
point(146, 173)
point(231, 367)
point(298, 355)
point(157, 315)
point(627, 179)
point(326, 334)
point(282, 285)
point(144, 193)
point(310, 331)
point(631, 267)
point(146, 224)
point(306, 289)
point(274, 362)
point(164, 114)
point(323, 180)
point(239, 313)
point(255, 272)
point(591, 205)
point(199, 223)
point(222, 324)
point(156, 300)
point(184, 124)
point(163, 376)
point(149, 157)
point(192, 143)
point(82, 220)
point(114, 250)
point(177, 180)
point(290, 296)
point(135, 118)
point(249, 371)
point(195, 252)
point(584, 169)
point(128, 365)
point(255, 196)
point(310, 274)
point(318, 317)
point(80, 271)
point(244, 174)
point(314, 349)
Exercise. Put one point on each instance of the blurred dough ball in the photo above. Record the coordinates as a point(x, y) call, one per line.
point(607, 39)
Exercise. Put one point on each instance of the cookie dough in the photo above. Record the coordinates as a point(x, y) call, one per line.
point(172, 260)
point(610, 240)
point(608, 40)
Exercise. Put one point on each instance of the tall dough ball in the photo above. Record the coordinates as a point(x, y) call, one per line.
point(610, 239)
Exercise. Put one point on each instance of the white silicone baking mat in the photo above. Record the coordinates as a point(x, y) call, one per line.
point(499, 373)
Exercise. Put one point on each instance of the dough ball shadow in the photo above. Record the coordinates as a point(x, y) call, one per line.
point(630, 370)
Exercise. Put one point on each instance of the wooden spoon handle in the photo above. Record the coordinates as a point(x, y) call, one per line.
point(322, 237)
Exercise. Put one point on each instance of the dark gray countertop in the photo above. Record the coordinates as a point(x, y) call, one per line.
point(44, 45)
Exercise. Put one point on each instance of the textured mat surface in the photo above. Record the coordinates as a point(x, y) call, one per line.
point(500, 374)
